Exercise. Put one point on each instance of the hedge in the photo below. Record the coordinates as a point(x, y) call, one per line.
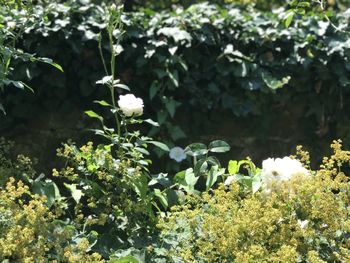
point(191, 65)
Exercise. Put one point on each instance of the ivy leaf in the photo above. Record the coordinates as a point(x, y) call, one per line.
point(174, 76)
point(153, 90)
point(176, 132)
point(171, 106)
point(274, 83)
point(2, 109)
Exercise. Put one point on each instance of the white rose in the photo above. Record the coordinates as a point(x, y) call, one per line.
point(178, 154)
point(130, 105)
point(11, 24)
point(274, 170)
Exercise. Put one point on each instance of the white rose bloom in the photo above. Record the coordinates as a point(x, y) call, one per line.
point(178, 154)
point(130, 105)
point(11, 24)
point(274, 170)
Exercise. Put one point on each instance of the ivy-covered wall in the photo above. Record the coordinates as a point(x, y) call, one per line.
point(206, 71)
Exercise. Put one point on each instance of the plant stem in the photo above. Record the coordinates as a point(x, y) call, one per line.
point(111, 28)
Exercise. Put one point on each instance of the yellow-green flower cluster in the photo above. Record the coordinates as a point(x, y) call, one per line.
point(305, 220)
point(27, 232)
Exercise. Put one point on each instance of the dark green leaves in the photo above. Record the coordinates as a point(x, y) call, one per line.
point(196, 149)
point(219, 146)
point(273, 82)
point(47, 188)
point(50, 62)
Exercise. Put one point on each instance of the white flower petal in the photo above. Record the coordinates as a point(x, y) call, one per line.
point(130, 105)
point(280, 169)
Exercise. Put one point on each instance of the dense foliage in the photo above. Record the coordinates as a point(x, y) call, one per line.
point(205, 58)
point(106, 203)
point(15, 17)
point(304, 219)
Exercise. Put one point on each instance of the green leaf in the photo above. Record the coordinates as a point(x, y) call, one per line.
point(153, 90)
point(127, 259)
point(174, 76)
point(171, 106)
point(190, 177)
point(160, 145)
point(233, 167)
point(256, 183)
point(213, 161)
point(213, 175)
point(47, 188)
point(162, 197)
point(122, 86)
point(196, 149)
point(153, 123)
point(76, 193)
point(187, 180)
point(219, 146)
point(93, 114)
point(50, 62)
point(103, 103)
point(288, 18)
point(176, 132)
point(2, 109)
point(272, 82)
point(180, 176)
point(201, 166)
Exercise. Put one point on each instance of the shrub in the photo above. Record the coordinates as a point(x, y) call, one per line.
point(305, 220)
point(29, 232)
point(20, 167)
point(208, 58)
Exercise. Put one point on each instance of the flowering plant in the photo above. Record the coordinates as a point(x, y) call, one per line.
point(130, 105)
point(280, 169)
point(109, 184)
point(295, 223)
